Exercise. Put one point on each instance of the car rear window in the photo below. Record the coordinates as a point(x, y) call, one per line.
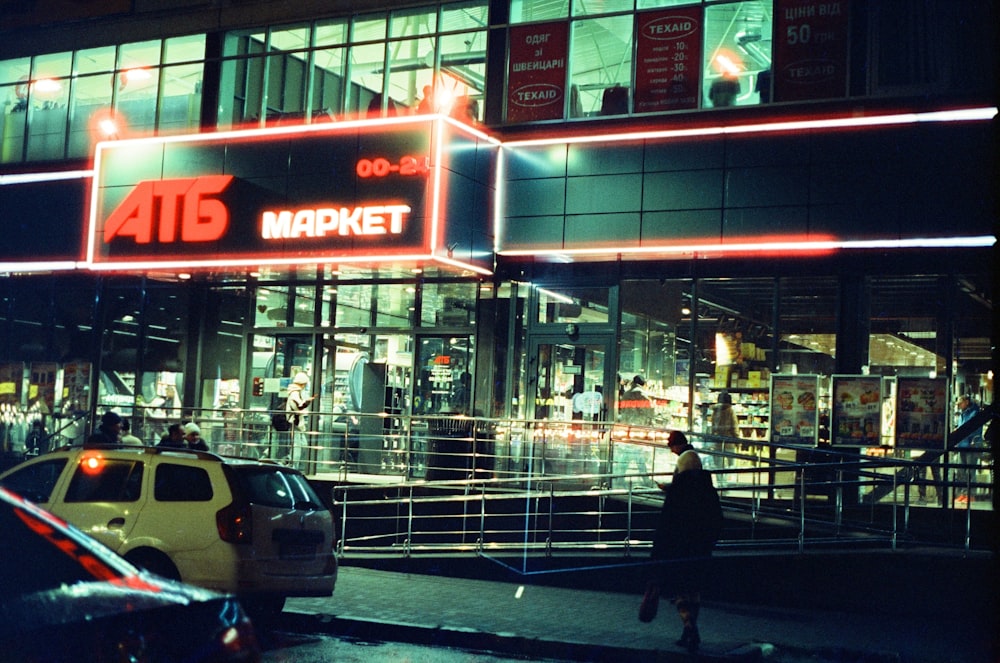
point(181, 483)
point(270, 486)
point(36, 482)
point(105, 480)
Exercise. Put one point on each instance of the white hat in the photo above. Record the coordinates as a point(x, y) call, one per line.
point(191, 427)
point(300, 378)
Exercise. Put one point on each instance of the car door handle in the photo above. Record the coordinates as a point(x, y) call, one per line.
point(116, 522)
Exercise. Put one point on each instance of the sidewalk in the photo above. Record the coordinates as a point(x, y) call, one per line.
point(590, 625)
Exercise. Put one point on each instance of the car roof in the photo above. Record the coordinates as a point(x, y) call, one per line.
point(171, 451)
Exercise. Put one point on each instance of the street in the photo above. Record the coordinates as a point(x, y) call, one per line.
point(283, 646)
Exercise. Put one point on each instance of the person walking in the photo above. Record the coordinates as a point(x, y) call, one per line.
point(295, 406)
point(968, 457)
point(688, 528)
point(723, 426)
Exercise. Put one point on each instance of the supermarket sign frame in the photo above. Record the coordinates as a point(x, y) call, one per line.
point(361, 191)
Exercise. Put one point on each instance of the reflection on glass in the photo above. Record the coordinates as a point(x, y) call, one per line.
point(576, 305)
point(444, 379)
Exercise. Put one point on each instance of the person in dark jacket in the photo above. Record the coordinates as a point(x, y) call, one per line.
point(174, 437)
point(689, 527)
point(108, 432)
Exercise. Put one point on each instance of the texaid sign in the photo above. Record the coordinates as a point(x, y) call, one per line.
point(354, 191)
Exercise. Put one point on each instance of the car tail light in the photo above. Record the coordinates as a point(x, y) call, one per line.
point(240, 641)
point(235, 524)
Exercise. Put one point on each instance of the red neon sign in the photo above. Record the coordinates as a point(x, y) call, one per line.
point(201, 218)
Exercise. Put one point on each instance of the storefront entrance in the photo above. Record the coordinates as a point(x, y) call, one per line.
point(573, 390)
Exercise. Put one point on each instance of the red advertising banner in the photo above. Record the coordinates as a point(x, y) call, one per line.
point(536, 74)
point(810, 49)
point(668, 59)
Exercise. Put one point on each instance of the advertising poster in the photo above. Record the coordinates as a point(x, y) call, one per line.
point(921, 413)
point(11, 376)
point(76, 387)
point(810, 49)
point(794, 417)
point(857, 411)
point(42, 387)
point(536, 74)
point(668, 59)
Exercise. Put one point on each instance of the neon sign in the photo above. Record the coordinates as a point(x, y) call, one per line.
point(379, 167)
point(202, 218)
point(343, 221)
point(363, 191)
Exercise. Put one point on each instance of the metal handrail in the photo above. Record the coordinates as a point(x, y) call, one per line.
point(600, 474)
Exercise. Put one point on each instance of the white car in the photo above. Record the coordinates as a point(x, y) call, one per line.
point(251, 528)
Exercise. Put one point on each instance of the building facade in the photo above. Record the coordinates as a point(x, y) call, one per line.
point(513, 210)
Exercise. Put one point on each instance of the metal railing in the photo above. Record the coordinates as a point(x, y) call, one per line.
point(406, 485)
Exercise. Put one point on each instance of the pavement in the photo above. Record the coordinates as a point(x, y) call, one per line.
point(794, 608)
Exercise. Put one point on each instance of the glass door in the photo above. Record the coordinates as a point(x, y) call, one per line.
point(572, 385)
point(277, 362)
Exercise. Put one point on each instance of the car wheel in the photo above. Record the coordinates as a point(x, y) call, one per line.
point(154, 561)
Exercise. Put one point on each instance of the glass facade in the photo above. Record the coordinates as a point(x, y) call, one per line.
point(399, 347)
point(612, 59)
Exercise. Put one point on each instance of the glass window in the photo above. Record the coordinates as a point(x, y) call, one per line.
point(412, 22)
point(354, 305)
point(444, 379)
point(411, 71)
point(370, 27)
point(332, 33)
point(111, 481)
point(808, 325)
point(366, 68)
point(907, 332)
point(181, 483)
point(572, 305)
point(328, 80)
point(94, 60)
point(527, 11)
point(36, 482)
point(222, 339)
point(119, 349)
point(472, 15)
point(189, 48)
point(448, 304)
point(737, 54)
point(48, 102)
point(90, 104)
point(396, 304)
point(138, 86)
point(462, 79)
point(139, 54)
point(590, 8)
point(654, 4)
point(601, 66)
point(180, 98)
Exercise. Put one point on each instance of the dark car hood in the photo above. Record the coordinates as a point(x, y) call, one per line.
point(88, 601)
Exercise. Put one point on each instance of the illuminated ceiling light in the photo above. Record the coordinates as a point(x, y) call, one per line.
point(184, 276)
point(685, 311)
point(108, 128)
point(726, 65)
point(137, 74)
point(47, 85)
